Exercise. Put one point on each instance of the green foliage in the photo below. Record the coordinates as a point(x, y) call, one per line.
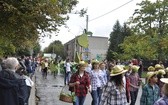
point(26, 51)
point(152, 20)
point(55, 47)
point(116, 38)
point(139, 46)
point(6, 47)
point(36, 49)
point(22, 22)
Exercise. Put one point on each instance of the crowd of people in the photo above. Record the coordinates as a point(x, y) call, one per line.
point(16, 80)
point(118, 84)
point(108, 83)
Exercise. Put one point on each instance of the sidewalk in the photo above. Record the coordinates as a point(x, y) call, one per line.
point(32, 98)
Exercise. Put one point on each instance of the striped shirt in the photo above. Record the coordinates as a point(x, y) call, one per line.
point(113, 96)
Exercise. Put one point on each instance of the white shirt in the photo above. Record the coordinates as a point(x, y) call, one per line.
point(124, 81)
point(28, 81)
point(89, 68)
point(68, 67)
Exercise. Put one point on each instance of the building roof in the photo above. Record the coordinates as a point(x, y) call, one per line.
point(88, 37)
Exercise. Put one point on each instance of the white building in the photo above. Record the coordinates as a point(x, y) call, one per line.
point(97, 48)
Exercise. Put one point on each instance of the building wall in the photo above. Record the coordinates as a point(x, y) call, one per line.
point(69, 49)
point(98, 46)
point(96, 50)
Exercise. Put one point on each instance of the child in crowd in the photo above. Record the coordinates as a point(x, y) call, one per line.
point(151, 91)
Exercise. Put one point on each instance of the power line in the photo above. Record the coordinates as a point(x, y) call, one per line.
point(111, 11)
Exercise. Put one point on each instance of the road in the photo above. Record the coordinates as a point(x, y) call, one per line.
point(49, 89)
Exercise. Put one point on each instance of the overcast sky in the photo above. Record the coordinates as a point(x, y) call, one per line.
point(101, 26)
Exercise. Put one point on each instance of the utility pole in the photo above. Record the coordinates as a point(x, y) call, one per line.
point(87, 20)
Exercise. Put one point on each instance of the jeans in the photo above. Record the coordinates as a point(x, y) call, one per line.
point(64, 75)
point(68, 75)
point(79, 100)
point(133, 96)
point(96, 96)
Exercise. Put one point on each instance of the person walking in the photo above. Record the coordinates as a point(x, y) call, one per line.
point(97, 83)
point(67, 66)
point(104, 72)
point(114, 93)
point(80, 84)
point(45, 66)
point(164, 99)
point(134, 83)
point(151, 91)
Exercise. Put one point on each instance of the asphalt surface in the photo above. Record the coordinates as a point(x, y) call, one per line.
point(48, 90)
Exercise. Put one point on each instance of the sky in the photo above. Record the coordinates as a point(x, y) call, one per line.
point(99, 27)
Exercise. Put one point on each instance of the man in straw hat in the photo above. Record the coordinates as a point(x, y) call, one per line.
point(163, 100)
point(151, 91)
point(114, 93)
point(158, 67)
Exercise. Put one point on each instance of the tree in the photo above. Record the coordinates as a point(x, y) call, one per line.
point(22, 22)
point(152, 19)
point(139, 46)
point(27, 51)
point(36, 49)
point(55, 47)
point(116, 38)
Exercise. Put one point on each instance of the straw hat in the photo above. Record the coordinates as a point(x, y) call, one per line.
point(135, 68)
point(117, 70)
point(164, 80)
point(82, 63)
point(158, 66)
point(166, 70)
point(149, 75)
point(151, 68)
point(161, 71)
point(95, 62)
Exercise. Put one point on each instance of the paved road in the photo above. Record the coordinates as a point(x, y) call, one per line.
point(49, 89)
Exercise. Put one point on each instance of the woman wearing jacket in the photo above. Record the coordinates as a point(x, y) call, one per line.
point(80, 84)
